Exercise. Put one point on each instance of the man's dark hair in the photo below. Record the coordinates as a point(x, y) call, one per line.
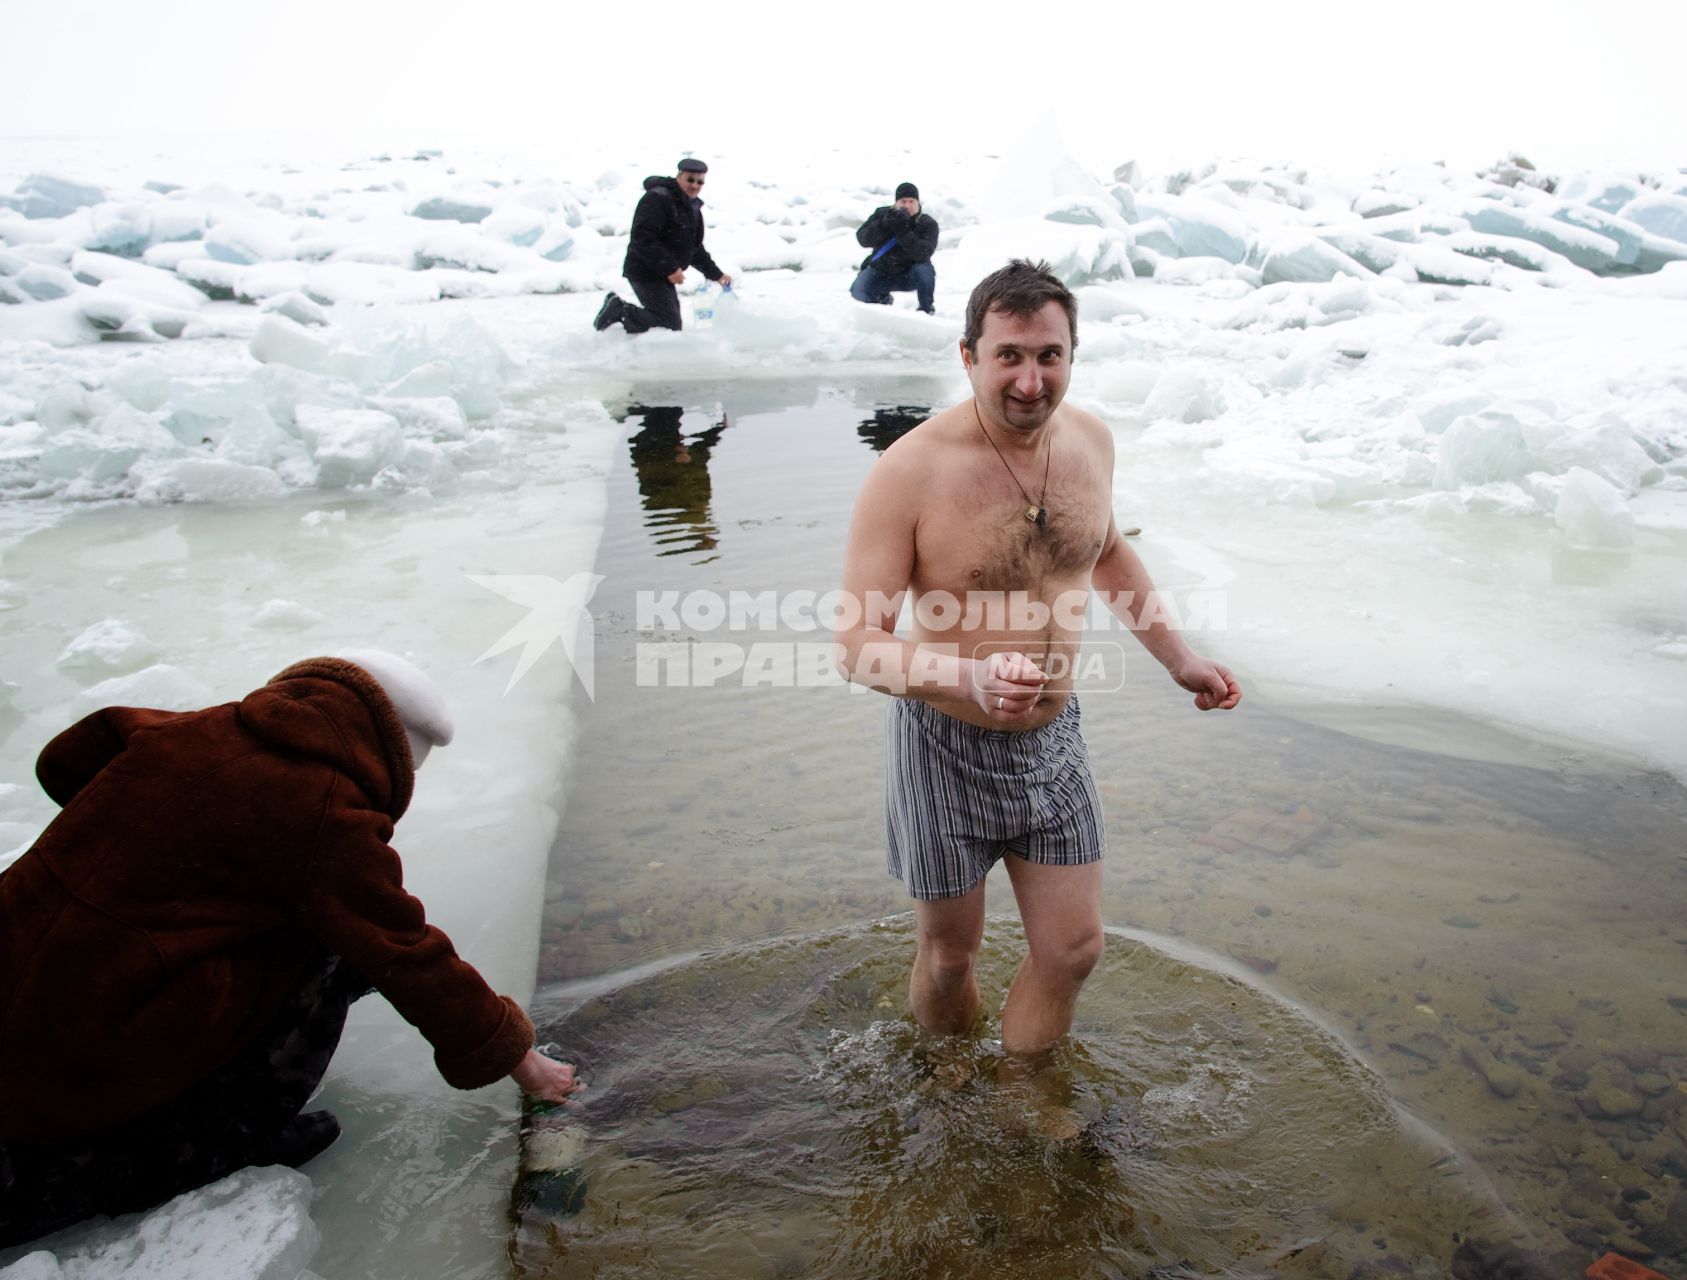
point(1022, 289)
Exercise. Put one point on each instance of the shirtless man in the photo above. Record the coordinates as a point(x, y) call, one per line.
point(997, 515)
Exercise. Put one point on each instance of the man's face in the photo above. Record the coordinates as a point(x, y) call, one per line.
point(690, 183)
point(1021, 368)
point(908, 205)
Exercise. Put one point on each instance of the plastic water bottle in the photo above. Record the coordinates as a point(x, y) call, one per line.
point(706, 302)
point(552, 1181)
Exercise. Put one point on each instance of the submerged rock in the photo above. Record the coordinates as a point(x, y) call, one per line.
point(1503, 1079)
point(1280, 834)
point(1670, 1234)
point(1482, 1260)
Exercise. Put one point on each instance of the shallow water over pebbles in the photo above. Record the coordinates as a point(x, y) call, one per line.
point(766, 1112)
point(1493, 924)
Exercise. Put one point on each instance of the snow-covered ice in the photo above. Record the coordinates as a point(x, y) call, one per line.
point(1426, 430)
point(254, 1224)
point(1418, 340)
point(110, 645)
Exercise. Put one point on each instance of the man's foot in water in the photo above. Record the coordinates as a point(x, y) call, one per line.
point(1034, 1099)
point(950, 1063)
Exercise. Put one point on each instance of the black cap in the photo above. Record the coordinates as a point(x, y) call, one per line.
point(907, 191)
point(689, 165)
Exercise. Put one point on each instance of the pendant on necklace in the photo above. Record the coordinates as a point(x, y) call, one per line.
point(1038, 516)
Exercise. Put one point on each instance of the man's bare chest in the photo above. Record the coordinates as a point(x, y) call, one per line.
point(973, 533)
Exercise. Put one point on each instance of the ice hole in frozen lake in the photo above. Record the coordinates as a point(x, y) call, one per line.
point(712, 816)
point(768, 1110)
point(1350, 852)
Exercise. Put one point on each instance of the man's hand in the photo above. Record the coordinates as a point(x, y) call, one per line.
point(546, 1078)
point(1213, 685)
point(725, 281)
point(676, 276)
point(1005, 685)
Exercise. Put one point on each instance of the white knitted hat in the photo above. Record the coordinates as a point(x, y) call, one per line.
point(416, 698)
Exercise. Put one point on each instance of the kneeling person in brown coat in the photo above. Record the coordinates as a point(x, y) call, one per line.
point(180, 946)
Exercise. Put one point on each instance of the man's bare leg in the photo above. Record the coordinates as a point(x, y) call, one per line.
point(1061, 910)
point(941, 988)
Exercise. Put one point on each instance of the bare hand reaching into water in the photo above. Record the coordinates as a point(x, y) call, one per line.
point(1213, 685)
point(546, 1078)
point(1006, 685)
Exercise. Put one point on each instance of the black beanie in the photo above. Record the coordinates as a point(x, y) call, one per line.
point(907, 191)
point(689, 165)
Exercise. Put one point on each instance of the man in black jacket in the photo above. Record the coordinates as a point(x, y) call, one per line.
point(667, 237)
point(902, 240)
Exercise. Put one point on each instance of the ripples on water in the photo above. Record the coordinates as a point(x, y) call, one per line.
point(769, 1112)
point(1494, 926)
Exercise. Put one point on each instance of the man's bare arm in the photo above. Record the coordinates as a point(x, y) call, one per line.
point(1125, 586)
point(878, 567)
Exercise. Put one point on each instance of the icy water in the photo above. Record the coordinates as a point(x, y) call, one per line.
point(1191, 1122)
point(1363, 998)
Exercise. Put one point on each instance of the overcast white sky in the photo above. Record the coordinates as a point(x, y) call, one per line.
point(1566, 82)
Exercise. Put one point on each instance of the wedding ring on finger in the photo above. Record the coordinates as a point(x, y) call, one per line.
point(1001, 704)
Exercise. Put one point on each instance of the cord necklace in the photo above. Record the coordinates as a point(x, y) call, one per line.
point(1035, 512)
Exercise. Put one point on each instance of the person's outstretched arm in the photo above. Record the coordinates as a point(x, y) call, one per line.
point(1125, 587)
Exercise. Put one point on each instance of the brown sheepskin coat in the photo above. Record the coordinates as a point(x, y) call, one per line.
point(202, 859)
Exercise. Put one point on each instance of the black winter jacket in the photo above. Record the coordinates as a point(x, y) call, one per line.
point(667, 234)
point(916, 238)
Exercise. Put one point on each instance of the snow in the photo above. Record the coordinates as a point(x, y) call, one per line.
point(1585, 248)
point(350, 446)
point(1300, 258)
point(1198, 228)
point(1416, 425)
point(44, 195)
point(110, 645)
point(44, 283)
point(1080, 254)
point(1659, 213)
point(279, 340)
point(253, 238)
point(1593, 512)
point(160, 685)
point(254, 1224)
point(285, 615)
point(292, 305)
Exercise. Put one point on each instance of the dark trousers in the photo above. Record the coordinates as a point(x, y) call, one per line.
point(217, 1126)
point(658, 305)
point(873, 285)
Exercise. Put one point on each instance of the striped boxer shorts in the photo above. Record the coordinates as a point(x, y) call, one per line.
point(958, 797)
